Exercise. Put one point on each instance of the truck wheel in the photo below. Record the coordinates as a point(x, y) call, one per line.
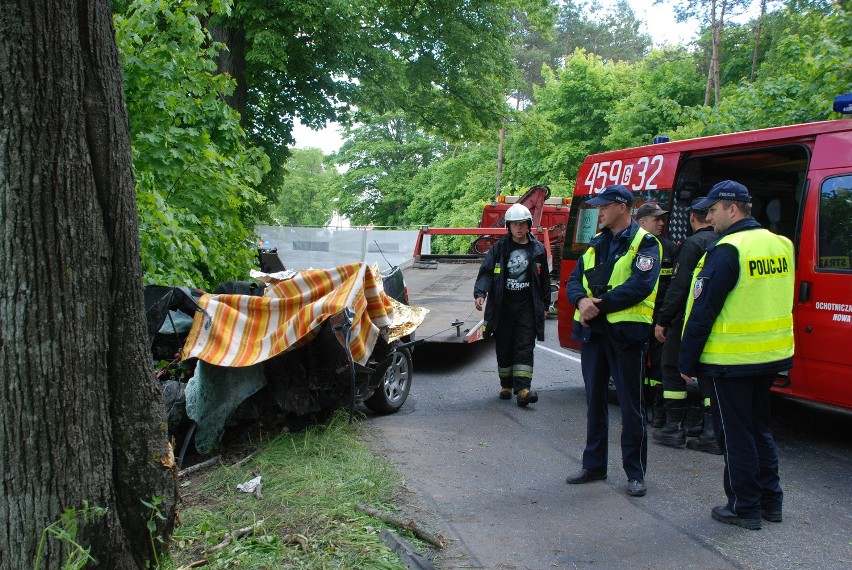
point(393, 388)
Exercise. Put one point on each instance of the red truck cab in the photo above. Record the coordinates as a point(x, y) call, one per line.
point(800, 179)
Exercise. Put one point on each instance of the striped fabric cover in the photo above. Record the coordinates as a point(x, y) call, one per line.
point(243, 330)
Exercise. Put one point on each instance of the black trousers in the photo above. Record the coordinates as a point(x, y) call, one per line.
point(514, 342)
point(600, 358)
point(741, 420)
point(674, 386)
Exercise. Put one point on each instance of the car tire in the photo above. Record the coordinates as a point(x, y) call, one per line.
point(395, 384)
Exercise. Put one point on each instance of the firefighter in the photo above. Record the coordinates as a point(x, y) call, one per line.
point(652, 219)
point(668, 329)
point(738, 331)
point(614, 286)
point(515, 279)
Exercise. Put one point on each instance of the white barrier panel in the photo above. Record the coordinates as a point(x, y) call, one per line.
point(322, 248)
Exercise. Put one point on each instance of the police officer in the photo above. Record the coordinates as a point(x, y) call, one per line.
point(669, 327)
point(738, 331)
point(613, 287)
point(652, 219)
point(514, 277)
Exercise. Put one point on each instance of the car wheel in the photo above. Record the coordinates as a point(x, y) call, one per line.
point(393, 388)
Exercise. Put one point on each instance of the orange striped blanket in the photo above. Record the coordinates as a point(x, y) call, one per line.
point(241, 330)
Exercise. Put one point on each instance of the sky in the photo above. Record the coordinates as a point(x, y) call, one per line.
point(659, 23)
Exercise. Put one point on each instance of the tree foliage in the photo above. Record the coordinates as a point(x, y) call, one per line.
point(382, 158)
point(611, 32)
point(445, 66)
point(809, 65)
point(196, 174)
point(308, 194)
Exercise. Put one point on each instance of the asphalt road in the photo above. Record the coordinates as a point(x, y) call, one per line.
point(490, 477)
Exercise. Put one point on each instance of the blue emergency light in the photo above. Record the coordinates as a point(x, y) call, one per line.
point(843, 104)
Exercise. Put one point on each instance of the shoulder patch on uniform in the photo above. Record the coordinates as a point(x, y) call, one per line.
point(698, 288)
point(644, 263)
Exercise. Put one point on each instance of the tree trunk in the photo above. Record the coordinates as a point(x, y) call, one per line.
point(717, 44)
point(233, 62)
point(757, 32)
point(713, 47)
point(80, 410)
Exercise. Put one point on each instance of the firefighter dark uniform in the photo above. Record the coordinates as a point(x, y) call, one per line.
point(623, 271)
point(670, 316)
point(515, 319)
point(654, 373)
point(738, 331)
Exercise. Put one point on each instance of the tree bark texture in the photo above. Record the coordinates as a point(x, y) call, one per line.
point(80, 410)
point(233, 62)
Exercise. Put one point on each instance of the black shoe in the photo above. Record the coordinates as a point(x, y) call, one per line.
point(505, 393)
point(585, 476)
point(725, 515)
point(701, 443)
point(636, 488)
point(772, 516)
point(671, 435)
point(526, 397)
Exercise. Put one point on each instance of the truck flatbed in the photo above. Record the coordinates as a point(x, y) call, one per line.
point(444, 285)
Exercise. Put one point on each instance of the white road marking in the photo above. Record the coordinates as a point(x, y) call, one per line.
point(556, 352)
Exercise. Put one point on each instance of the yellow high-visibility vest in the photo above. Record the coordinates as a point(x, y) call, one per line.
point(755, 325)
point(643, 311)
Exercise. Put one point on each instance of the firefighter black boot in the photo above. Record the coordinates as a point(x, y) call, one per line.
point(672, 434)
point(706, 442)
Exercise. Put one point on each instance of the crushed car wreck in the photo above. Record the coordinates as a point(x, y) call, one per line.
point(313, 342)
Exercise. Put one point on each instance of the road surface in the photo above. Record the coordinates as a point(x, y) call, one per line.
point(490, 477)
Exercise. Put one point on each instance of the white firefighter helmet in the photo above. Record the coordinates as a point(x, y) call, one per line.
point(518, 213)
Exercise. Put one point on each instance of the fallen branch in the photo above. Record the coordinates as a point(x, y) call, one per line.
point(229, 538)
point(246, 459)
point(405, 525)
point(196, 564)
point(199, 466)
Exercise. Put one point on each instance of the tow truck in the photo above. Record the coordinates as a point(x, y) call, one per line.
point(443, 283)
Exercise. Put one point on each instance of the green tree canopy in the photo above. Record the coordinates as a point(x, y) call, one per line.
point(611, 32)
point(195, 172)
point(382, 157)
point(446, 66)
point(308, 194)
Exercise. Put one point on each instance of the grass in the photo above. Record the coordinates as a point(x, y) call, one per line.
point(312, 481)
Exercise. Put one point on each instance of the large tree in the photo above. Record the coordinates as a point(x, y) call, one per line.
point(79, 407)
point(446, 66)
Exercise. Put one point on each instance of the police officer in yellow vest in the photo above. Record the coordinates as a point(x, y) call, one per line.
point(738, 332)
point(613, 287)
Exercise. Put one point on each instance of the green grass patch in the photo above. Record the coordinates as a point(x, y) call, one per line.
point(312, 481)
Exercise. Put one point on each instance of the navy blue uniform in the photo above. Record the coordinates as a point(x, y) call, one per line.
point(740, 392)
point(616, 349)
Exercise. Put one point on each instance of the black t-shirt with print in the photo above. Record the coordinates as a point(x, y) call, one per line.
point(517, 295)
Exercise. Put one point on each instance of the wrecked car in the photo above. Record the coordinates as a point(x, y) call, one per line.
point(295, 349)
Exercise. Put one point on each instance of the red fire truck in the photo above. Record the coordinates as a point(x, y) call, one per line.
point(800, 178)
